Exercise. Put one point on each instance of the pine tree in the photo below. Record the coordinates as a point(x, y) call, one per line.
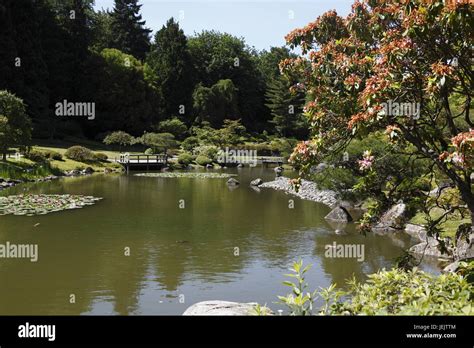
point(129, 32)
point(285, 107)
point(172, 69)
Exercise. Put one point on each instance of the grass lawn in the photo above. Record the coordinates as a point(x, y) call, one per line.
point(449, 227)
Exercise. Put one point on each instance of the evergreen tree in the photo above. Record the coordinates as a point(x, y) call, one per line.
point(171, 64)
point(286, 108)
point(129, 33)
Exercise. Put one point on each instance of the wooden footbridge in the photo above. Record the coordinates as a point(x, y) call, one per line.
point(140, 161)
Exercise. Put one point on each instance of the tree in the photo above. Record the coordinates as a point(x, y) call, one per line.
point(129, 33)
point(286, 108)
point(15, 126)
point(171, 65)
point(158, 141)
point(220, 56)
point(120, 138)
point(174, 126)
point(383, 56)
point(216, 103)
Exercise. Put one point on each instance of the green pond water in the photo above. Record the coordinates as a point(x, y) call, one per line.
point(176, 254)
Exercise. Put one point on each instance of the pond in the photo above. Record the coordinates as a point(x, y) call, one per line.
point(189, 240)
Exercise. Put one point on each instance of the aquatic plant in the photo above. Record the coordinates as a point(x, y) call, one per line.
point(31, 205)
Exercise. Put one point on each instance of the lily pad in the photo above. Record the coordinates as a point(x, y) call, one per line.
point(187, 175)
point(31, 205)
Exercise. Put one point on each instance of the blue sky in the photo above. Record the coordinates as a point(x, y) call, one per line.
point(262, 23)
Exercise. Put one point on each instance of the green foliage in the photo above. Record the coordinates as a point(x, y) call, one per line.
point(15, 126)
point(341, 180)
point(80, 154)
point(174, 126)
point(159, 142)
point(299, 301)
point(216, 103)
point(394, 292)
point(149, 151)
point(209, 151)
point(101, 157)
point(185, 158)
point(128, 29)
point(171, 66)
point(36, 156)
point(120, 138)
point(203, 160)
point(221, 56)
point(399, 292)
point(190, 143)
point(52, 155)
point(286, 108)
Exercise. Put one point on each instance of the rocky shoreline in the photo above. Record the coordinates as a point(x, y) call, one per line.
point(308, 191)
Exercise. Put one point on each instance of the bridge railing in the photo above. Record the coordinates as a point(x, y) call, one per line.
point(142, 158)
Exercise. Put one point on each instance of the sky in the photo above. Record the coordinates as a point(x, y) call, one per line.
point(262, 23)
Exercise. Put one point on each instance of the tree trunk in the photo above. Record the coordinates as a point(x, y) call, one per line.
point(4, 157)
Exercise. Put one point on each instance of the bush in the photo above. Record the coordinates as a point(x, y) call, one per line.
point(36, 156)
point(80, 154)
point(149, 151)
point(190, 143)
point(185, 158)
point(209, 151)
point(203, 160)
point(101, 157)
point(53, 155)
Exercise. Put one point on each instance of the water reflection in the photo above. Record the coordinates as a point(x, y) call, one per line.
point(225, 244)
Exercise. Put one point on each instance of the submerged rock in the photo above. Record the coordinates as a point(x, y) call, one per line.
point(339, 214)
point(220, 308)
point(256, 182)
point(233, 182)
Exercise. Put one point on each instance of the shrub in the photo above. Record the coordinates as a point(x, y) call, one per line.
point(53, 155)
point(185, 158)
point(394, 292)
point(209, 151)
point(101, 157)
point(149, 151)
point(174, 126)
point(203, 160)
point(36, 156)
point(80, 154)
point(190, 143)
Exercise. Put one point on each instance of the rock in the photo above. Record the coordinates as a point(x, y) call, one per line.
point(278, 171)
point(233, 182)
point(416, 231)
point(209, 166)
point(220, 308)
point(393, 219)
point(339, 214)
point(429, 248)
point(88, 171)
point(318, 168)
point(240, 165)
point(107, 170)
point(452, 267)
point(464, 247)
point(256, 182)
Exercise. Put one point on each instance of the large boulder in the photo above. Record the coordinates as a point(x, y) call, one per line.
point(416, 231)
point(430, 248)
point(220, 308)
point(278, 171)
point(393, 219)
point(339, 214)
point(256, 182)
